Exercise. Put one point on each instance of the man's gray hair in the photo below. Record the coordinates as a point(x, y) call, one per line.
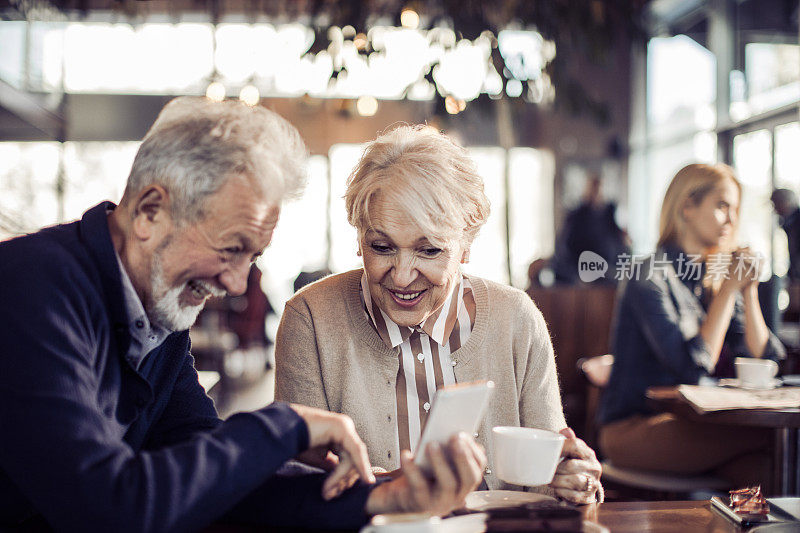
point(196, 144)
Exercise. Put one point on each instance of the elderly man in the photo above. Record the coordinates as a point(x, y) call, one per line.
point(103, 425)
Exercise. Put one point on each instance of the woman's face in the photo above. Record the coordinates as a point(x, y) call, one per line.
point(711, 222)
point(409, 278)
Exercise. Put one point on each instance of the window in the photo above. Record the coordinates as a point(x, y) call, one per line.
point(487, 256)
point(787, 156)
point(680, 86)
point(344, 240)
point(530, 176)
point(772, 72)
point(28, 196)
point(787, 176)
point(93, 172)
point(676, 128)
point(752, 158)
point(300, 241)
point(12, 35)
point(766, 57)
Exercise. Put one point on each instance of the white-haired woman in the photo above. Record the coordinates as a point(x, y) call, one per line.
point(375, 343)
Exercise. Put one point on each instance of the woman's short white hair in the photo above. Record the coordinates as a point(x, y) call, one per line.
point(196, 144)
point(428, 176)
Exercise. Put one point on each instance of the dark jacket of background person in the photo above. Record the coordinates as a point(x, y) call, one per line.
point(592, 228)
point(656, 337)
point(92, 444)
point(248, 313)
point(791, 225)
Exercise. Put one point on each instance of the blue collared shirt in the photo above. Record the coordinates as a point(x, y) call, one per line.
point(145, 336)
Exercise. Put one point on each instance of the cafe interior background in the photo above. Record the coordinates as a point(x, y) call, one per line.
point(545, 95)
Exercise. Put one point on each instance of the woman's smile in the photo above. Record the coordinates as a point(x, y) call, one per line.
point(407, 299)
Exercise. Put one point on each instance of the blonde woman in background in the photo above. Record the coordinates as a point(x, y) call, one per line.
point(677, 322)
point(378, 341)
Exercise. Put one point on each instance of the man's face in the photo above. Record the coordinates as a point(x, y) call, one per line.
point(211, 257)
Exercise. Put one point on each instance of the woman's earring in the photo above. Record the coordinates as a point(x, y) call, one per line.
point(465, 257)
point(358, 252)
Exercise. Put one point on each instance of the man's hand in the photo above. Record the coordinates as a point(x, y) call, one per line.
point(336, 433)
point(457, 471)
point(577, 477)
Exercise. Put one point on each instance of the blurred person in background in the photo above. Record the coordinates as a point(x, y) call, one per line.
point(785, 203)
point(675, 323)
point(248, 314)
point(589, 227)
point(309, 276)
point(105, 426)
point(230, 333)
point(376, 343)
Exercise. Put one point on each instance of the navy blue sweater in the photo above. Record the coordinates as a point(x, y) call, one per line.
point(91, 444)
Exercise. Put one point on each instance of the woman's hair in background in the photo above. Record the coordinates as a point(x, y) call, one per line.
point(690, 185)
point(425, 174)
point(195, 145)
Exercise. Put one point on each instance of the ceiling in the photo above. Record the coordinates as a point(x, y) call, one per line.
point(584, 26)
point(589, 27)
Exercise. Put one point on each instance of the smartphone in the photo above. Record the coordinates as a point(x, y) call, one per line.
point(743, 520)
point(454, 409)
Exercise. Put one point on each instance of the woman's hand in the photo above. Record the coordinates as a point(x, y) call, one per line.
point(321, 458)
point(744, 269)
point(577, 477)
point(457, 470)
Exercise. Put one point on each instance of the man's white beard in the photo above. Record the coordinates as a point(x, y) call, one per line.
point(167, 310)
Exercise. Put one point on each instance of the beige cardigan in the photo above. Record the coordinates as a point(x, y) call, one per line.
point(328, 355)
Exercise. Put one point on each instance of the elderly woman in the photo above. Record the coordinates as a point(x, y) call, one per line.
point(375, 343)
point(675, 323)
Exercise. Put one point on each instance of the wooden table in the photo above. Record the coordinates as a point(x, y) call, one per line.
point(658, 517)
point(785, 423)
point(622, 517)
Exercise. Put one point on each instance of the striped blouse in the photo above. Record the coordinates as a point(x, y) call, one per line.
point(424, 354)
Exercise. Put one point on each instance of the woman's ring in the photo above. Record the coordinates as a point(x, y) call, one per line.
point(587, 487)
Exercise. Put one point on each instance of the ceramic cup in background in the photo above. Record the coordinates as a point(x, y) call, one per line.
point(403, 523)
point(758, 373)
point(526, 456)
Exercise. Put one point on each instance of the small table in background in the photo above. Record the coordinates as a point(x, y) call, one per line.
point(784, 422)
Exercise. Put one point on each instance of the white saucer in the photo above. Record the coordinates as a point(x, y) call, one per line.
point(735, 383)
point(791, 380)
point(486, 500)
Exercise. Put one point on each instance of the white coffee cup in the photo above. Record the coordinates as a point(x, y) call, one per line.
point(526, 456)
point(403, 523)
point(757, 373)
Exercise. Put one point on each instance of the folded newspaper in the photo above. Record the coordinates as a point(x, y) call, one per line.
point(705, 399)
